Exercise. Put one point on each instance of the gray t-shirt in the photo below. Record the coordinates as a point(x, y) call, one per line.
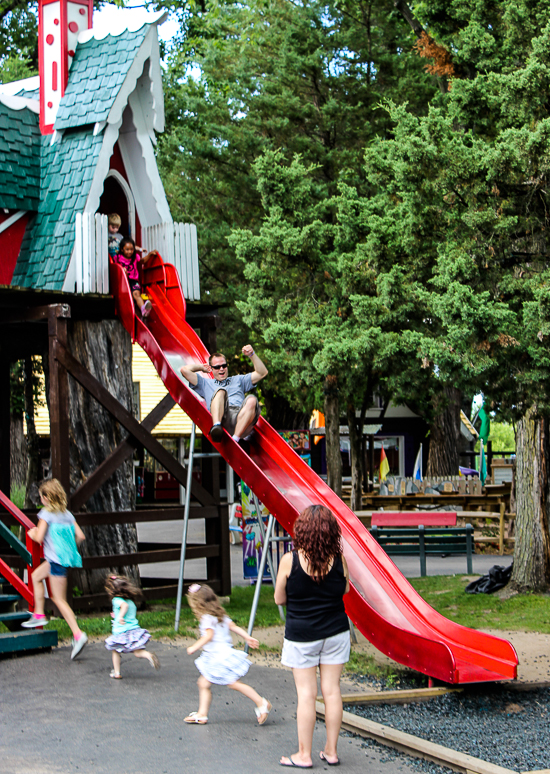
point(235, 386)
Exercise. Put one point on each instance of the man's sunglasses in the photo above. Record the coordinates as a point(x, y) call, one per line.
point(223, 365)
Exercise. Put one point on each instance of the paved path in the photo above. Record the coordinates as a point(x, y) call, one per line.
point(170, 532)
point(62, 717)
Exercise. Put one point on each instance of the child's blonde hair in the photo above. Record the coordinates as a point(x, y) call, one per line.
point(53, 492)
point(121, 586)
point(203, 601)
point(114, 219)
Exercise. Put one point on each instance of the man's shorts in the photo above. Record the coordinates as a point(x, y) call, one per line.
point(302, 655)
point(230, 414)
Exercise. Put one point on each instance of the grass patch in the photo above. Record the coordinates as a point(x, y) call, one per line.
point(526, 612)
point(158, 616)
point(17, 495)
point(522, 612)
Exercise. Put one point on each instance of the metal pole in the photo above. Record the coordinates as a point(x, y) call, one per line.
point(185, 525)
point(267, 548)
point(261, 569)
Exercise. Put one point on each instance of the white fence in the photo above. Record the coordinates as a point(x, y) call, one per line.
point(91, 253)
point(176, 242)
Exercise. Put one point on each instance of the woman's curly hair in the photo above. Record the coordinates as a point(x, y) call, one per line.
point(203, 601)
point(120, 586)
point(317, 535)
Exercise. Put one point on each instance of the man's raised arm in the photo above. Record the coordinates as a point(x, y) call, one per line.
point(260, 371)
point(189, 371)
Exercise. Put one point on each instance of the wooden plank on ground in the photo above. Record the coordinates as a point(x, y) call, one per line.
point(413, 745)
point(396, 697)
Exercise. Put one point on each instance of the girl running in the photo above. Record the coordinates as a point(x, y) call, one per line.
point(58, 531)
point(127, 636)
point(219, 663)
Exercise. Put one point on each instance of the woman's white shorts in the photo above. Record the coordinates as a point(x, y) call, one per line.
point(302, 655)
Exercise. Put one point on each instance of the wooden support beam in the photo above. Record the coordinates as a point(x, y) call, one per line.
point(119, 455)
point(58, 315)
point(130, 423)
point(26, 314)
point(5, 426)
point(149, 557)
point(156, 514)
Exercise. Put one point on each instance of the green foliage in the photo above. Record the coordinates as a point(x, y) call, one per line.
point(17, 496)
point(268, 77)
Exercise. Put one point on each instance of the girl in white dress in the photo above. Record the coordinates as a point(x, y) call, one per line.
point(219, 663)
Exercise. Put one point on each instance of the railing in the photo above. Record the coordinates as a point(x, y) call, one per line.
point(30, 554)
point(177, 243)
point(91, 253)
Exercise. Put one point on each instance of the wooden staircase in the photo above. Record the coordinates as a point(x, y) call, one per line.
point(13, 590)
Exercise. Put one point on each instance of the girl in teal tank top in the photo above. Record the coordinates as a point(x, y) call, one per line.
point(127, 635)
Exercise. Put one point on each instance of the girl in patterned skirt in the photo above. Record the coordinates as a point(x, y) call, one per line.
point(219, 663)
point(127, 636)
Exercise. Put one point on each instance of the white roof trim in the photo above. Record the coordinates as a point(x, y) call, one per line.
point(140, 163)
point(149, 49)
point(96, 189)
point(27, 84)
point(120, 26)
point(20, 103)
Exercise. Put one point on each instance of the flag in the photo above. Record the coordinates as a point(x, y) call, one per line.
point(485, 427)
point(384, 465)
point(482, 463)
point(417, 472)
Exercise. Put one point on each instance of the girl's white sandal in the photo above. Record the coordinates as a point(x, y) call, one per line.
point(263, 711)
point(194, 717)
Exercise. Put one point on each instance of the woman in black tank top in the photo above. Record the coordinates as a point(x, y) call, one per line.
point(311, 582)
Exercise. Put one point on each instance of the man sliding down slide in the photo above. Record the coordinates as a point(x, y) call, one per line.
point(225, 395)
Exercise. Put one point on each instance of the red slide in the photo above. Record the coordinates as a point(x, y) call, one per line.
point(381, 603)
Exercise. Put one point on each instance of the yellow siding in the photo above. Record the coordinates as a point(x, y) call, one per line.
point(151, 392)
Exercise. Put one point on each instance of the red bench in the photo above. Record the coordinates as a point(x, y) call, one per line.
point(413, 519)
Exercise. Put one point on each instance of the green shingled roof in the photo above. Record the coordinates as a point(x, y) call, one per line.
point(67, 169)
point(19, 159)
point(98, 71)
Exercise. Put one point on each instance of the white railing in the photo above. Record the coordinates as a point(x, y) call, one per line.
point(177, 243)
point(91, 253)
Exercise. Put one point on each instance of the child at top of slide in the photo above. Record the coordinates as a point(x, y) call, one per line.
point(128, 258)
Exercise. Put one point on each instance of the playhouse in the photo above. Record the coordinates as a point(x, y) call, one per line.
point(76, 145)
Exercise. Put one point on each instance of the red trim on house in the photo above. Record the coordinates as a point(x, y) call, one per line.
point(10, 245)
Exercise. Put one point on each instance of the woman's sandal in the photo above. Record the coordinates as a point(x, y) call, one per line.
point(194, 717)
point(116, 675)
point(263, 711)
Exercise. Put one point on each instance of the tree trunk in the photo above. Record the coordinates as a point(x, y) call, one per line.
point(443, 457)
point(103, 348)
point(281, 415)
point(332, 435)
point(18, 451)
point(531, 557)
point(34, 469)
point(355, 437)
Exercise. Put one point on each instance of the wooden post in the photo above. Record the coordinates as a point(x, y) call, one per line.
point(371, 463)
point(59, 396)
point(5, 421)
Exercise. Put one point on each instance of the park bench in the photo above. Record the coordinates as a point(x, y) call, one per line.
point(413, 518)
point(421, 541)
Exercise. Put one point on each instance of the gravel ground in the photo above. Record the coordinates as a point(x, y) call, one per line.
point(505, 727)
